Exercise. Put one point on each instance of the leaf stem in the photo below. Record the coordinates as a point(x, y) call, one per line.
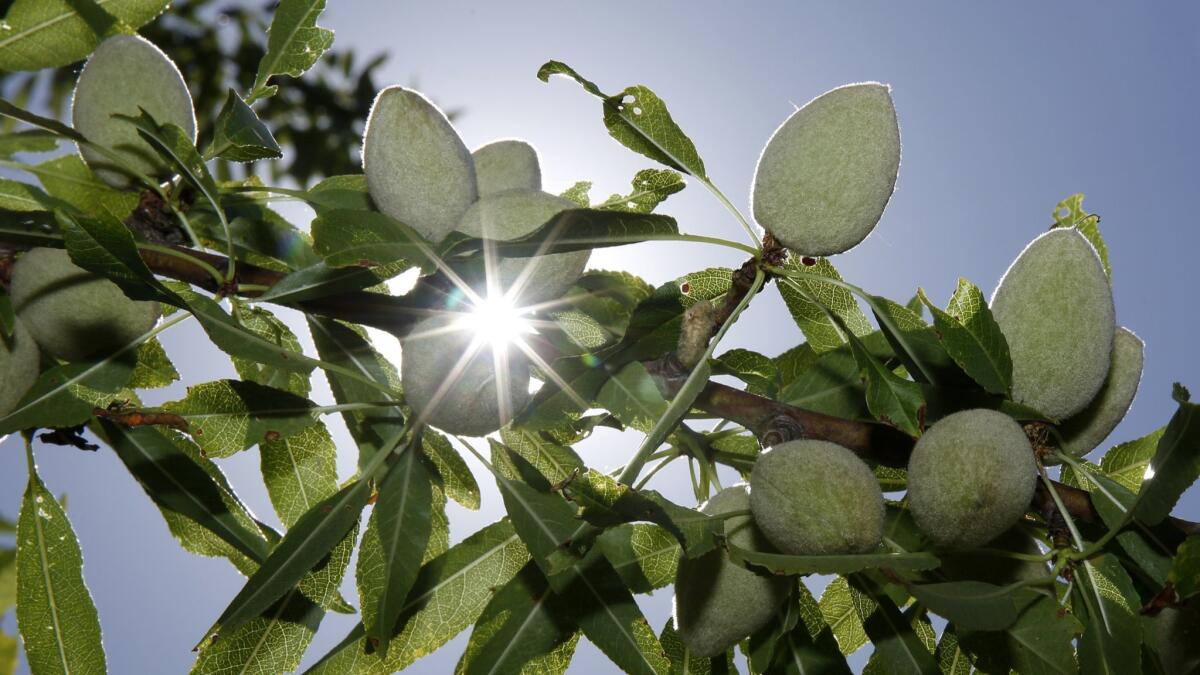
point(732, 209)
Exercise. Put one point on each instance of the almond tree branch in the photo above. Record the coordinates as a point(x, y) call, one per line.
point(771, 422)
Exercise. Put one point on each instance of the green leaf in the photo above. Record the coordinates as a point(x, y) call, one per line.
point(843, 609)
point(299, 471)
point(403, 520)
point(173, 478)
point(457, 479)
point(650, 188)
point(805, 297)
point(605, 502)
point(294, 43)
point(1185, 570)
point(371, 572)
point(799, 642)
point(1126, 463)
point(645, 555)
point(268, 327)
point(890, 398)
point(58, 621)
point(273, 642)
point(228, 416)
point(1113, 502)
point(1070, 213)
point(569, 230)
point(239, 136)
point(632, 397)
point(17, 196)
point(52, 401)
point(105, 246)
point(759, 372)
point(1107, 604)
point(610, 618)
point(971, 605)
point(914, 343)
point(543, 519)
point(69, 179)
point(450, 593)
point(175, 146)
point(950, 657)
point(154, 369)
point(897, 647)
point(555, 461)
point(313, 536)
point(525, 628)
point(973, 338)
point(1039, 642)
point(832, 383)
point(234, 339)
point(578, 193)
point(349, 348)
point(50, 33)
point(780, 563)
point(30, 140)
point(320, 280)
point(352, 238)
point(1175, 466)
point(639, 120)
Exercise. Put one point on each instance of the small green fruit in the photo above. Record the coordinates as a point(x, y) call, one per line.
point(127, 72)
point(1177, 636)
point(506, 165)
point(18, 367)
point(455, 390)
point(719, 603)
point(71, 313)
point(970, 478)
point(1055, 308)
point(816, 498)
point(418, 170)
point(1085, 430)
point(827, 173)
point(515, 213)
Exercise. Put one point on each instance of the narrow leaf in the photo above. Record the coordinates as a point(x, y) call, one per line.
point(1107, 604)
point(973, 338)
point(228, 416)
point(294, 43)
point(403, 511)
point(273, 642)
point(55, 613)
point(779, 563)
point(1175, 466)
point(805, 299)
point(240, 136)
point(972, 605)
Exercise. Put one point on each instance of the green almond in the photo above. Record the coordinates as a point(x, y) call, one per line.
point(71, 313)
point(971, 477)
point(1087, 429)
point(127, 73)
point(506, 164)
point(826, 175)
point(718, 603)
point(454, 384)
point(515, 213)
point(1055, 308)
point(418, 170)
point(18, 367)
point(816, 498)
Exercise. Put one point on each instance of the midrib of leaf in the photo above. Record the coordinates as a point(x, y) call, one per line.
point(296, 473)
point(515, 638)
point(22, 198)
point(651, 554)
point(559, 468)
point(533, 512)
point(260, 412)
point(467, 568)
point(39, 170)
point(263, 638)
point(1100, 610)
point(250, 547)
point(616, 621)
point(45, 24)
point(42, 554)
point(269, 70)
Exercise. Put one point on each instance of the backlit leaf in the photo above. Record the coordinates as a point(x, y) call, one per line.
point(973, 338)
point(294, 43)
point(239, 135)
point(49, 33)
point(804, 299)
point(228, 416)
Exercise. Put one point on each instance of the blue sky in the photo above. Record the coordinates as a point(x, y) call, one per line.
point(1004, 110)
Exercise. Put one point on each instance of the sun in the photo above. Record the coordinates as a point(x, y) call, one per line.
point(496, 321)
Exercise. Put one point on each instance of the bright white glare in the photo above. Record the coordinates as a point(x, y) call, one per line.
point(497, 322)
point(1149, 473)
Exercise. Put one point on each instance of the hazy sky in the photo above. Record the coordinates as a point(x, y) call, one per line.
point(1003, 112)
